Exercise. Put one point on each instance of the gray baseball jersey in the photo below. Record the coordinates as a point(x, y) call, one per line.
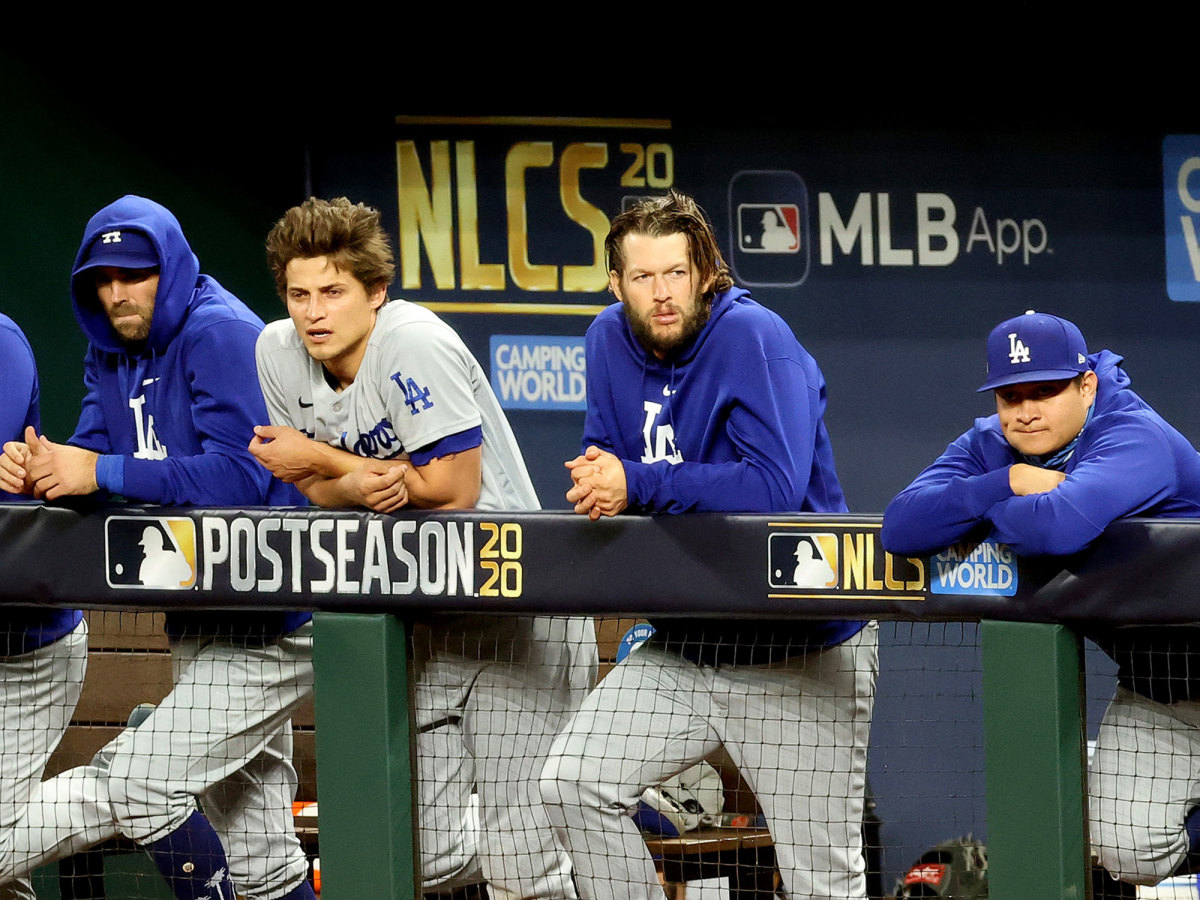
point(417, 384)
point(491, 692)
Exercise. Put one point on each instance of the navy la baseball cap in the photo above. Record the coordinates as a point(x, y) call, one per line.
point(121, 248)
point(1034, 347)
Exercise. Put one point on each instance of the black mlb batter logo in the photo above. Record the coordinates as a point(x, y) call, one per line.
point(808, 560)
point(150, 552)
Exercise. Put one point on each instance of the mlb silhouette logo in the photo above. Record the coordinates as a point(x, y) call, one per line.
point(768, 228)
point(799, 560)
point(150, 552)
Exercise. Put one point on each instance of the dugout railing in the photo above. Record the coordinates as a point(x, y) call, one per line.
point(370, 574)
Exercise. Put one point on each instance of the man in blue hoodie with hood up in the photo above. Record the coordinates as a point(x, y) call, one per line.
point(1071, 449)
point(701, 400)
point(172, 400)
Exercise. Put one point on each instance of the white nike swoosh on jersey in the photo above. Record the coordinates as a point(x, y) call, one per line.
point(146, 381)
point(667, 392)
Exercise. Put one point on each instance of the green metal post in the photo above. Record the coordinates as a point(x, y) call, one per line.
point(365, 771)
point(1033, 718)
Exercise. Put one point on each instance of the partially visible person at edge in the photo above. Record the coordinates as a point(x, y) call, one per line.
point(43, 652)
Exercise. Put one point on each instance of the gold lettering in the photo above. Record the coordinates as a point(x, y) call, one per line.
point(425, 215)
point(873, 583)
point(522, 156)
point(920, 583)
point(889, 578)
point(584, 156)
point(853, 559)
point(473, 275)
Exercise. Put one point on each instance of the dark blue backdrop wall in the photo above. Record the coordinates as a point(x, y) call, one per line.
point(894, 254)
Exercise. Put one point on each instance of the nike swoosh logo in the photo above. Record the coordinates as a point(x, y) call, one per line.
point(146, 381)
point(667, 392)
point(303, 405)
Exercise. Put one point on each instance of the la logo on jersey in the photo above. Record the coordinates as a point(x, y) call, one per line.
point(414, 393)
point(658, 441)
point(1017, 351)
point(149, 446)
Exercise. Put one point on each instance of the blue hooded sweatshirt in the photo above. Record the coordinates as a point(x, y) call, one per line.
point(23, 630)
point(733, 422)
point(1128, 461)
point(172, 417)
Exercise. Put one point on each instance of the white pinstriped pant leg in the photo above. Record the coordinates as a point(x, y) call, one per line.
point(38, 694)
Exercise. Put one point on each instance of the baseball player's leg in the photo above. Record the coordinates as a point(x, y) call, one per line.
point(1144, 781)
point(646, 721)
point(229, 702)
point(517, 705)
point(566, 648)
point(798, 733)
point(252, 808)
point(38, 694)
point(252, 812)
point(449, 817)
point(65, 815)
point(508, 731)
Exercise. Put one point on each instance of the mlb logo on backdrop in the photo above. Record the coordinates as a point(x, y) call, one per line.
point(1181, 208)
point(769, 241)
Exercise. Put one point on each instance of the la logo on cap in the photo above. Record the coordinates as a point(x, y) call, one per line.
point(110, 237)
point(1017, 351)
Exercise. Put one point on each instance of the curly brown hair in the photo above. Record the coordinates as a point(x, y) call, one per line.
point(348, 234)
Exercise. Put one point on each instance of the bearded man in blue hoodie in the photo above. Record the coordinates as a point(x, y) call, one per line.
point(172, 399)
point(1070, 450)
point(701, 400)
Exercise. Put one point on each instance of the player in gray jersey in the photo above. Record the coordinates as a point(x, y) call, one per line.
point(417, 385)
point(380, 405)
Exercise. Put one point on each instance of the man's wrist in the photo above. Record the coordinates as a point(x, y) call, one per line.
point(110, 473)
point(321, 459)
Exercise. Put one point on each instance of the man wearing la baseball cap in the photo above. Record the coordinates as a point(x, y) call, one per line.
point(1070, 449)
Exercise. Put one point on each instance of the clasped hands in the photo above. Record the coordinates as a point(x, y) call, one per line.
point(47, 470)
point(293, 457)
point(598, 484)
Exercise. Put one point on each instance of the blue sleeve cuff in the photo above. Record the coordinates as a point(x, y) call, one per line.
point(110, 473)
point(454, 443)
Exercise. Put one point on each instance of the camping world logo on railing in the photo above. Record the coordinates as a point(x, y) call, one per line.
point(985, 568)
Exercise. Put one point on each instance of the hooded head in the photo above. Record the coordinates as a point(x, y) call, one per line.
point(139, 238)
